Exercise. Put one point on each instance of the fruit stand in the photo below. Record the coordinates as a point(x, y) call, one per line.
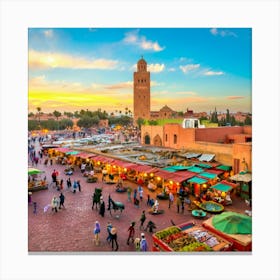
point(188, 237)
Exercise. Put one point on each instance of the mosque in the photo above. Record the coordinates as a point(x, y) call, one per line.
point(229, 145)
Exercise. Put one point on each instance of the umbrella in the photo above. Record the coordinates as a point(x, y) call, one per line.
point(33, 171)
point(233, 223)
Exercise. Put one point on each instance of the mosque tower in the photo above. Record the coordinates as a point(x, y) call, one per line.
point(141, 91)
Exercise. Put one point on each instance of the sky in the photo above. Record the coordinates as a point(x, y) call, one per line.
point(200, 69)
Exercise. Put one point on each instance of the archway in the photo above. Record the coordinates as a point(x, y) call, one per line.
point(147, 139)
point(157, 141)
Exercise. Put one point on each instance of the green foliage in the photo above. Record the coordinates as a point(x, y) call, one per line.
point(152, 122)
point(248, 120)
point(121, 120)
point(56, 114)
point(140, 122)
point(87, 121)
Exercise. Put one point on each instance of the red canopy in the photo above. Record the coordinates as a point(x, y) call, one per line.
point(62, 150)
point(124, 164)
point(85, 155)
point(145, 168)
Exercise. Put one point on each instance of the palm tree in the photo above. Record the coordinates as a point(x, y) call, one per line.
point(39, 112)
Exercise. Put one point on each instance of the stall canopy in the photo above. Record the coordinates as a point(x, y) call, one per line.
point(221, 187)
point(33, 171)
point(224, 167)
point(214, 171)
point(195, 169)
point(197, 180)
point(192, 155)
point(124, 164)
point(86, 155)
point(247, 177)
point(208, 175)
point(206, 157)
point(72, 153)
point(62, 150)
point(176, 168)
point(203, 165)
point(145, 168)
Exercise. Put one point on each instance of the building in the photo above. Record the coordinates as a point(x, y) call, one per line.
point(141, 91)
point(231, 145)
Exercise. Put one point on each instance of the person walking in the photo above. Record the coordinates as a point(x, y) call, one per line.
point(96, 232)
point(142, 220)
point(178, 203)
point(54, 203)
point(61, 184)
point(54, 174)
point(170, 199)
point(143, 243)
point(79, 185)
point(69, 183)
point(109, 227)
point(129, 194)
point(137, 244)
point(75, 186)
point(61, 200)
point(131, 231)
point(148, 199)
point(182, 204)
point(102, 207)
point(114, 239)
point(140, 191)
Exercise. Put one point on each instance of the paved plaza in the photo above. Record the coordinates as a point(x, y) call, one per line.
point(71, 229)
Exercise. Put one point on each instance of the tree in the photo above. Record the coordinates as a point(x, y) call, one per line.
point(56, 114)
point(228, 119)
point(140, 122)
point(248, 120)
point(31, 115)
point(39, 112)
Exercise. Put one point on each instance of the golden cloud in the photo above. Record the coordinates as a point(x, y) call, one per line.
point(44, 60)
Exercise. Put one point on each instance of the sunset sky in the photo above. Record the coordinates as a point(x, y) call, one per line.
point(87, 68)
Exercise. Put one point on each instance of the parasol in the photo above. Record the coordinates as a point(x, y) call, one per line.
point(33, 171)
point(233, 223)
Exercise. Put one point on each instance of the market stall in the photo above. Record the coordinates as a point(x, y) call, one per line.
point(189, 237)
point(36, 180)
point(240, 241)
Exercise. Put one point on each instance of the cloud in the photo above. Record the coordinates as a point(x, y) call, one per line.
point(235, 97)
point(141, 41)
point(213, 73)
point(156, 68)
point(189, 67)
point(172, 69)
point(222, 32)
point(48, 33)
point(45, 60)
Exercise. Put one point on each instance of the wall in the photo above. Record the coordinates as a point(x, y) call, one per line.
point(217, 135)
point(243, 151)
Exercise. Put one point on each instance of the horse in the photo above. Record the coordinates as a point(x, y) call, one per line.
point(96, 198)
point(115, 205)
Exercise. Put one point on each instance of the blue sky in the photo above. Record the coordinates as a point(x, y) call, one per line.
point(89, 68)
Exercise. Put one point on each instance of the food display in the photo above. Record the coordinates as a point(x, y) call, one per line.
point(192, 239)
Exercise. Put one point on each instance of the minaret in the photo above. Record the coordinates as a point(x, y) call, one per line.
point(141, 91)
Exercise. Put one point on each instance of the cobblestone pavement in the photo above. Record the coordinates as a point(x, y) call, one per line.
point(71, 229)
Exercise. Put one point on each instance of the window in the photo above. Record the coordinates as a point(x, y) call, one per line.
point(166, 137)
point(175, 139)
